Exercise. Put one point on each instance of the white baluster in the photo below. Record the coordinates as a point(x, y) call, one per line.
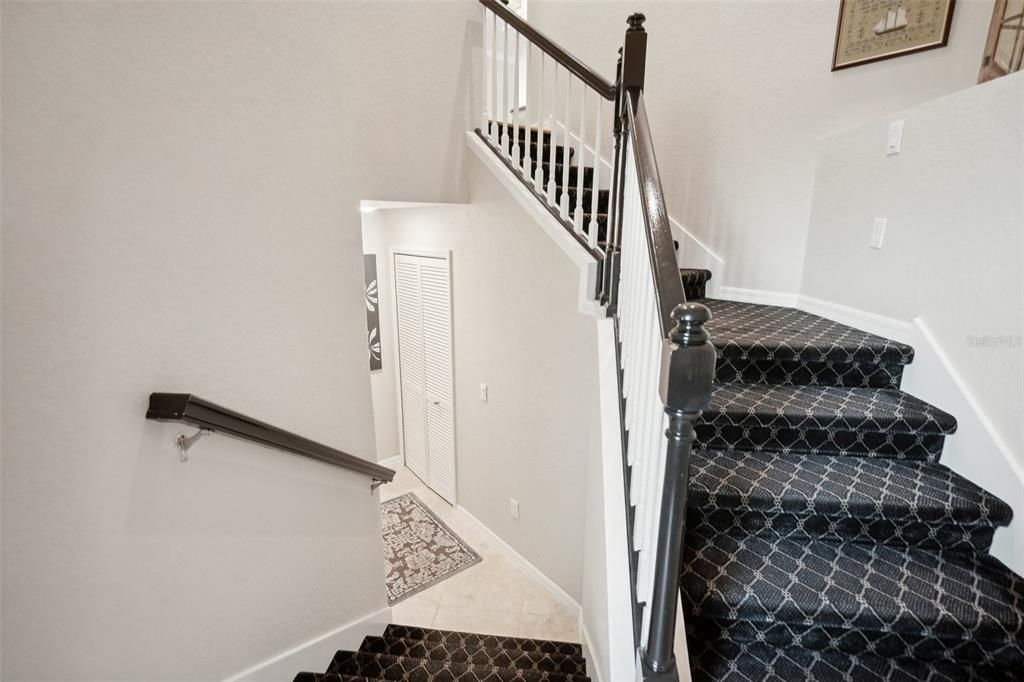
point(484, 53)
point(563, 204)
point(595, 186)
point(577, 214)
point(516, 149)
point(499, 84)
point(552, 186)
point(538, 173)
point(527, 128)
point(510, 82)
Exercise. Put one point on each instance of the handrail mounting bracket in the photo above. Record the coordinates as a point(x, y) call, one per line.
point(185, 442)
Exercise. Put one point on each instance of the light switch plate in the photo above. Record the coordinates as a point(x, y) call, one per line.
point(483, 393)
point(877, 233)
point(894, 142)
point(513, 508)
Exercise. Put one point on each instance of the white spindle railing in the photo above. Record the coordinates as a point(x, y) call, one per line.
point(641, 335)
point(560, 105)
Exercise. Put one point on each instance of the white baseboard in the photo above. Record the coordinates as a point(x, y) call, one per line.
point(594, 668)
point(552, 227)
point(761, 296)
point(394, 462)
point(316, 653)
point(889, 327)
point(506, 550)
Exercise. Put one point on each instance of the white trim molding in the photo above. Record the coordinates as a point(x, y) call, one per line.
point(315, 653)
point(506, 550)
point(394, 462)
point(762, 296)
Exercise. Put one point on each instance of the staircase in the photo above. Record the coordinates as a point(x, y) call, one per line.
point(824, 539)
point(422, 654)
point(799, 495)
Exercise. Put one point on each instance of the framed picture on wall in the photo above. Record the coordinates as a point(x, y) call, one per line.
point(871, 30)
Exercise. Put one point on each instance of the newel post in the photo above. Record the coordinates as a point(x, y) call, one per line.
point(687, 372)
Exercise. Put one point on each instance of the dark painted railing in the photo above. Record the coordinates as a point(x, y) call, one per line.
point(210, 417)
point(666, 360)
point(644, 292)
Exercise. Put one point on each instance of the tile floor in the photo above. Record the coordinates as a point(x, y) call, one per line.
point(492, 597)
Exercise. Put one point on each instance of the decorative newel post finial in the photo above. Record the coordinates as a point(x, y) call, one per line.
point(690, 319)
point(636, 21)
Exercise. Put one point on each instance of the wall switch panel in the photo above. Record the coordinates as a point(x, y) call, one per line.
point(513, 508)
point(483, 393)
point(894, 142)
point(877, 233)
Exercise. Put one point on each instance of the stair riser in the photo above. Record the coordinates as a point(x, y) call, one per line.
point(728, 661)
point(938, 647)
point(506, 150)
point(795, 373)
point(384, 667)
point(695, 292)
point(504, 658)
point(602, 199)
point(911, 446)
point(477, 641)
point(522, 132)
point(703, 519)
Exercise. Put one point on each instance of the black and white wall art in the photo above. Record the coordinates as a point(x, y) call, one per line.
point(372, 311)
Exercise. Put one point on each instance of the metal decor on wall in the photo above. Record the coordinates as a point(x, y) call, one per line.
point(372, 311)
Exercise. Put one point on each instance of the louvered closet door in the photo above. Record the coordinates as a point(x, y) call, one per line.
point(410, 361)
point(427, 386)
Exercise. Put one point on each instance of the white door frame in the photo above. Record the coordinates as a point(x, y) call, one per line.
point(425, 253)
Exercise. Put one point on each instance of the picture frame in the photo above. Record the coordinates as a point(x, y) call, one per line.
point(869, 31)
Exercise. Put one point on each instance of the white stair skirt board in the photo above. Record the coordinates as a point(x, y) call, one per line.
point(316, 653)
point(615, 636)
point(521, 562)
point(552, 227)
point(976, 451)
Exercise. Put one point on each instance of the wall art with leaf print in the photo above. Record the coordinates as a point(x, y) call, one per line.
point(372, 311)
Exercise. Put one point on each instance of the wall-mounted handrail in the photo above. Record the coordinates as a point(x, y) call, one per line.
point(191, 409)
point(553, 49)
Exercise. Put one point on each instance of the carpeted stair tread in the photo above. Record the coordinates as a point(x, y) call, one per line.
point(836, 408)
point(439, 650)
point(387, 667)
point(909, 503)
point(766, 332)
point(474, 641)
point(857, 589)
point(726, 661)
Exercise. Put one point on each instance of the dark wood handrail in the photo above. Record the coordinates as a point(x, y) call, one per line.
point(191, 409)
point(553, 49)
point(668, 286)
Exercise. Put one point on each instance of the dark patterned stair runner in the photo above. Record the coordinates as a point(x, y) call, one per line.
point(424, 654)
point(824, 541)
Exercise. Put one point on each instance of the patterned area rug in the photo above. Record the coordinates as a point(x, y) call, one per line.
point(419, 549)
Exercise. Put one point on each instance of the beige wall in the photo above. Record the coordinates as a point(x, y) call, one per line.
point(517, 329)
point(181, 186)
point(738, 92)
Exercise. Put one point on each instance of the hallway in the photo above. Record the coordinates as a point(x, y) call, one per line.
point(493, 597)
